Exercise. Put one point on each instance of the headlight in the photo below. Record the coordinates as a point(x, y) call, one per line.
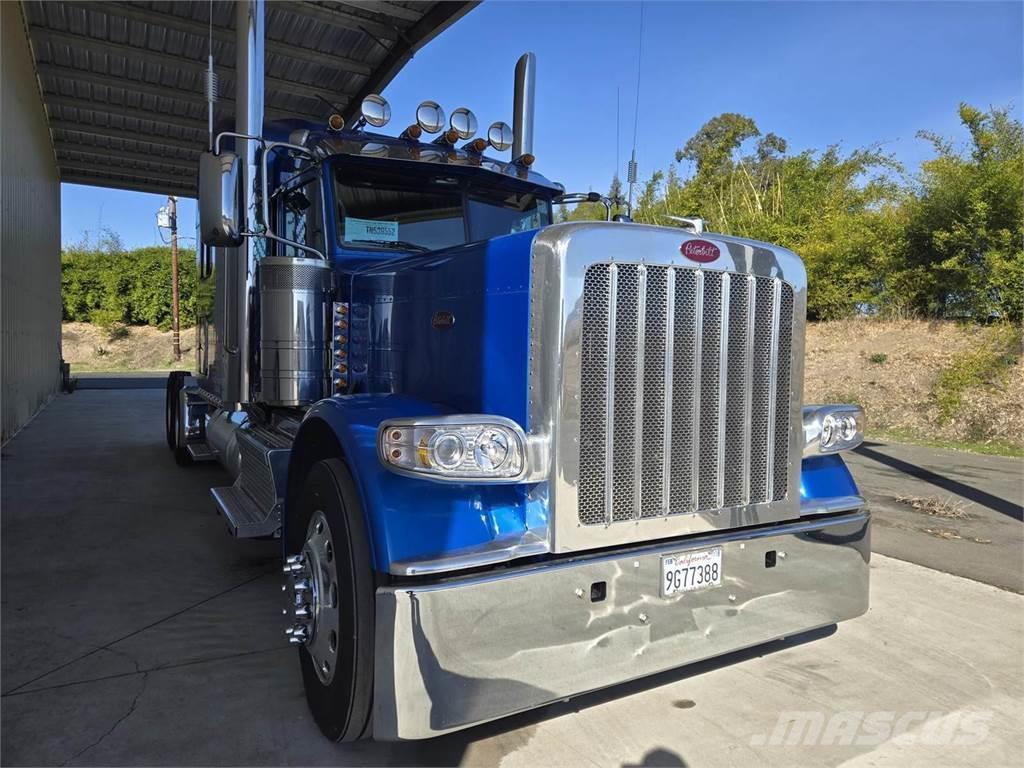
point(832, 428)
point(454, 448)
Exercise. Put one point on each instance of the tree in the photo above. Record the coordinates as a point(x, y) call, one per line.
point(965, 230)
point(713, 145)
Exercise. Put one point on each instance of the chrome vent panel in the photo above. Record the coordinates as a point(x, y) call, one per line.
point(685, 391)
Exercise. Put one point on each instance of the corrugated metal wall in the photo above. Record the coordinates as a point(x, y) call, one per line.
point(29, 234)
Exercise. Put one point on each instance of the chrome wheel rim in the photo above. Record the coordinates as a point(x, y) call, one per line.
point(313, 577)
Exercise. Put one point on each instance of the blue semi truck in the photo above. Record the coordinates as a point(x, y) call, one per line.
point(509, 461)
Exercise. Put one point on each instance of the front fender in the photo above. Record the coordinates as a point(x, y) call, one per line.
point(408, 518)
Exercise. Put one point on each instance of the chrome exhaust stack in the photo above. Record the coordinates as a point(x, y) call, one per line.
point(249, 59)
point(522, 109)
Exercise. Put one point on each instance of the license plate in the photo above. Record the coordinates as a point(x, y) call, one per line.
point(690, 571)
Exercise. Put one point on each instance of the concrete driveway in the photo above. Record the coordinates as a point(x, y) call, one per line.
point(136, 632)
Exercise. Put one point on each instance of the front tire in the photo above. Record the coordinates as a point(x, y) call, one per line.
point(327, 528)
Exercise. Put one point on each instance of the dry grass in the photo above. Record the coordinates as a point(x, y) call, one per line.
point(91, 348)
point(891, 368)
point(951, 509)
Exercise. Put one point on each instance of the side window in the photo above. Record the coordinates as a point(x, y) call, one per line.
point(301, 219)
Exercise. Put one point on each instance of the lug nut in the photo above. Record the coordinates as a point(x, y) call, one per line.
point(302, 611)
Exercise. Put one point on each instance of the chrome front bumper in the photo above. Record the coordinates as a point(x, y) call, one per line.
point(471, 649)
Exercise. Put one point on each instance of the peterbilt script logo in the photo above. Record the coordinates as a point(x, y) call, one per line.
point(700, 250)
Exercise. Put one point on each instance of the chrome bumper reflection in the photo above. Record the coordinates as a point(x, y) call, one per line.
point(476, 648)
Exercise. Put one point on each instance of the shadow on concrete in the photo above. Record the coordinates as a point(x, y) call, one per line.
point(978, 496)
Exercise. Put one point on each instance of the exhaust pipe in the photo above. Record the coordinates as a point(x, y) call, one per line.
point(522, 109)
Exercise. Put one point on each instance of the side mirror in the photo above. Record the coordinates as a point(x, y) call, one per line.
point(219, 196)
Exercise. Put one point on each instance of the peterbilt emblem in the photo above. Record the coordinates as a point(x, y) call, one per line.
point(442, 320)
point(700, 250)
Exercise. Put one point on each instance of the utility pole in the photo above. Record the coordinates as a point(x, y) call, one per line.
point(172, 203)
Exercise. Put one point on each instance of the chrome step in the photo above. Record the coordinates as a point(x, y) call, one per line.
point(201, 452)
point(243, 516)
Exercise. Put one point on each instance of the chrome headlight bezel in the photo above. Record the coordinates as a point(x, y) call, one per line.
point(832, 428)
point(405, 446)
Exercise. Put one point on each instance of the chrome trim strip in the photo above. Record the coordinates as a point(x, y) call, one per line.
point(609, 411)
point(773, 381)
point(748, 378)
point(501, 550)
point(723, 390)
point(469, 649)
point(697, 352)
point(670, 335)
point(638, 426)
point(832, 506)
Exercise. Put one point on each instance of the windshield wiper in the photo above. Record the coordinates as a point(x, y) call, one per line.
point(395, 244)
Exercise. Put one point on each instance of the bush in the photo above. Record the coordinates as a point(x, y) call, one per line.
point(987, 365)
point(878, 358)
point(112, 286)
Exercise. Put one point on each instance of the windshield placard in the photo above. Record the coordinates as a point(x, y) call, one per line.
point(370, 229)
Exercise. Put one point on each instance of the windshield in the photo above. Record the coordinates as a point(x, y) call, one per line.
point(420, 213)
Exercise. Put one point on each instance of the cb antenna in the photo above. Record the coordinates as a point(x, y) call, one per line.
point(631, 176)
point(211, 82)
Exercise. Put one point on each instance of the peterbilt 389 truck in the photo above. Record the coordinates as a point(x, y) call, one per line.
point(509, 461)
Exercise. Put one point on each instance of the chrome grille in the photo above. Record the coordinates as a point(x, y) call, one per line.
point(685, 391)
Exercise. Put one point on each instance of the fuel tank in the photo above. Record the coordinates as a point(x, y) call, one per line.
point(293, 317)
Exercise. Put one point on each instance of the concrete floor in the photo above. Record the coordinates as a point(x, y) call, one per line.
point(136, 632)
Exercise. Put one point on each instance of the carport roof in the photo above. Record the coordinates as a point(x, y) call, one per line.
point(123, 82)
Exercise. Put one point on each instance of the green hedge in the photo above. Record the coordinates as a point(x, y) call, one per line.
point(107, 287)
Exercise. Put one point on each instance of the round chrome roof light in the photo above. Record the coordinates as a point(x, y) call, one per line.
point(499, 136)
point(336, 122)
point(463, 122)
point(430, 116)
point(375, 110)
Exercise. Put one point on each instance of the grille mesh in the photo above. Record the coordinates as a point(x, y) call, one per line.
point(688, 417)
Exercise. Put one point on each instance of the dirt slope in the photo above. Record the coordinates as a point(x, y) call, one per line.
point(891, 369)
point(138, 348)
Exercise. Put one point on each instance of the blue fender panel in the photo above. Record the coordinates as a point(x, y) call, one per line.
point(823, 477)
point(410, 518)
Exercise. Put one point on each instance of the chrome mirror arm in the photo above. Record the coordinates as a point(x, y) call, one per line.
point(265, 196)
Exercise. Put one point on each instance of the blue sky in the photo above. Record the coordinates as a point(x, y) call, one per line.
point(816, 73)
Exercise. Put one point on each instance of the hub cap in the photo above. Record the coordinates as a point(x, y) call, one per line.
point(311, 587)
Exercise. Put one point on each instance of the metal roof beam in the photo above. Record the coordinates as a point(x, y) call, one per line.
point(336, 17)
point(129, 85)
point(171, 61)
point(136, 113)
point(156, 90)
point(382, 8)
point(67, 147)
point(136, 173)
point(120, 133)
point(201, 30)
point(133, 186)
